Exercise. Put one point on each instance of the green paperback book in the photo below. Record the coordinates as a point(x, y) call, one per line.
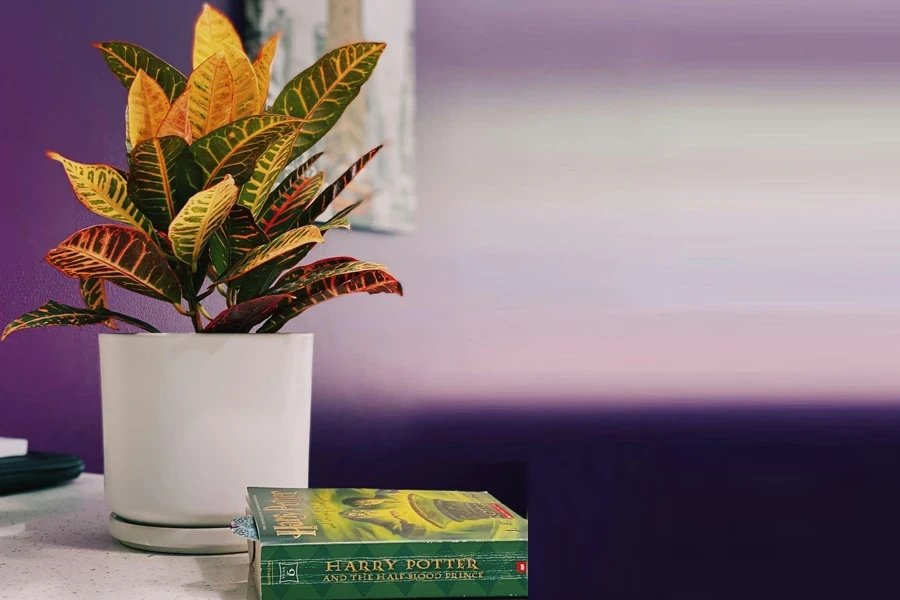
point(365, 543)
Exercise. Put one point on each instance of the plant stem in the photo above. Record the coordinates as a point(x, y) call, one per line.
point(194, 304)
point(196, 317)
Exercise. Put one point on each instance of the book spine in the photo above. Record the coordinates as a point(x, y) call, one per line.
point(398, 570)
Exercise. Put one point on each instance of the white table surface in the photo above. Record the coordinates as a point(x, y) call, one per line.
point(54, 543)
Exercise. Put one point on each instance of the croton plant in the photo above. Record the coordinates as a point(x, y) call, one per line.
point(199, 211)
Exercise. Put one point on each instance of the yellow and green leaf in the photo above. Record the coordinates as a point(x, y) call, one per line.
point(199, 219)
point(93, 292)
point(125, 60)
point(372, 282)
point(319, 95)
point(288, 202)
point(280, 249)
point(268, 167)
point(237, 236)
point(244, 316)
point(262, 68)
point(121, 255)
point(323, 200)
point(246, 90)
point(211, 31)
point(147, 108)
point(177, 120)
point(235, 148)
point(212, 95)
point(342, 223)
point(153, 180)
point(103, 190)
point(339, 220)
point(53, 313)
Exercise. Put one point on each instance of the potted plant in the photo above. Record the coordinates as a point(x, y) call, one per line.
point(200, 218)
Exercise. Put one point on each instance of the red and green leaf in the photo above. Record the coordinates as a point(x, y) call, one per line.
point(53, 313)
point(234, 148)
point(154, 179)
point(319, 95)
point(281, 214)
point(281, 249)
point(295, 176)
point(323, 200)
point(121, 255)
point(371, 282)
point(125, 60)
point(244, 316)
point(177, 120)
point(237, 236)
point(93, 292)
point(296, 279)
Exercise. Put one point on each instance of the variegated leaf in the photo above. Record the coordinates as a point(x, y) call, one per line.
point(154, 178)
point(201, 216)
point(235, 148)
point(303, 168)
point(320, 94)
point(342, 223)
point(244, 316)
point(278, 250)
point(212, 95)
point(120, 255)
point(147, 108)
point(323, 200)
point(53, 313)
point(246, 90)
point(281, 215)
point(268, 168)
point(237, 236)
point(262, 68)
point(125, 60)
point(341, 214)
point(211, 31)
point(101, 189)
point(372, 282)
point(306, 275)
point(93, 292)
point(177, 120)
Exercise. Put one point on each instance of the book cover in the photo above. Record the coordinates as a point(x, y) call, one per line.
point(367, 543)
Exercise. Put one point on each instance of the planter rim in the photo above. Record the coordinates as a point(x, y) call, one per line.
point(205, 335)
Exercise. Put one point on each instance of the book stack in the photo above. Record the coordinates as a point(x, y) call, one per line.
point(366, 543)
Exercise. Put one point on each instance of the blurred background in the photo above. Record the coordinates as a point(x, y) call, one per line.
point(623, 206)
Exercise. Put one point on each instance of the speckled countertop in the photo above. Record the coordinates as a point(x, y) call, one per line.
point(54, 543)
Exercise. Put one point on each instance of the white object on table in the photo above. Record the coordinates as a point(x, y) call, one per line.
point(55, 543)
point(179, 451)
point(13, 447)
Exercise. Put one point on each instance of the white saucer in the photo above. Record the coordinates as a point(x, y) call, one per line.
point(177, 540)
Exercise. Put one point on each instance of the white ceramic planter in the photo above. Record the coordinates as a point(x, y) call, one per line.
point(191, 420)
